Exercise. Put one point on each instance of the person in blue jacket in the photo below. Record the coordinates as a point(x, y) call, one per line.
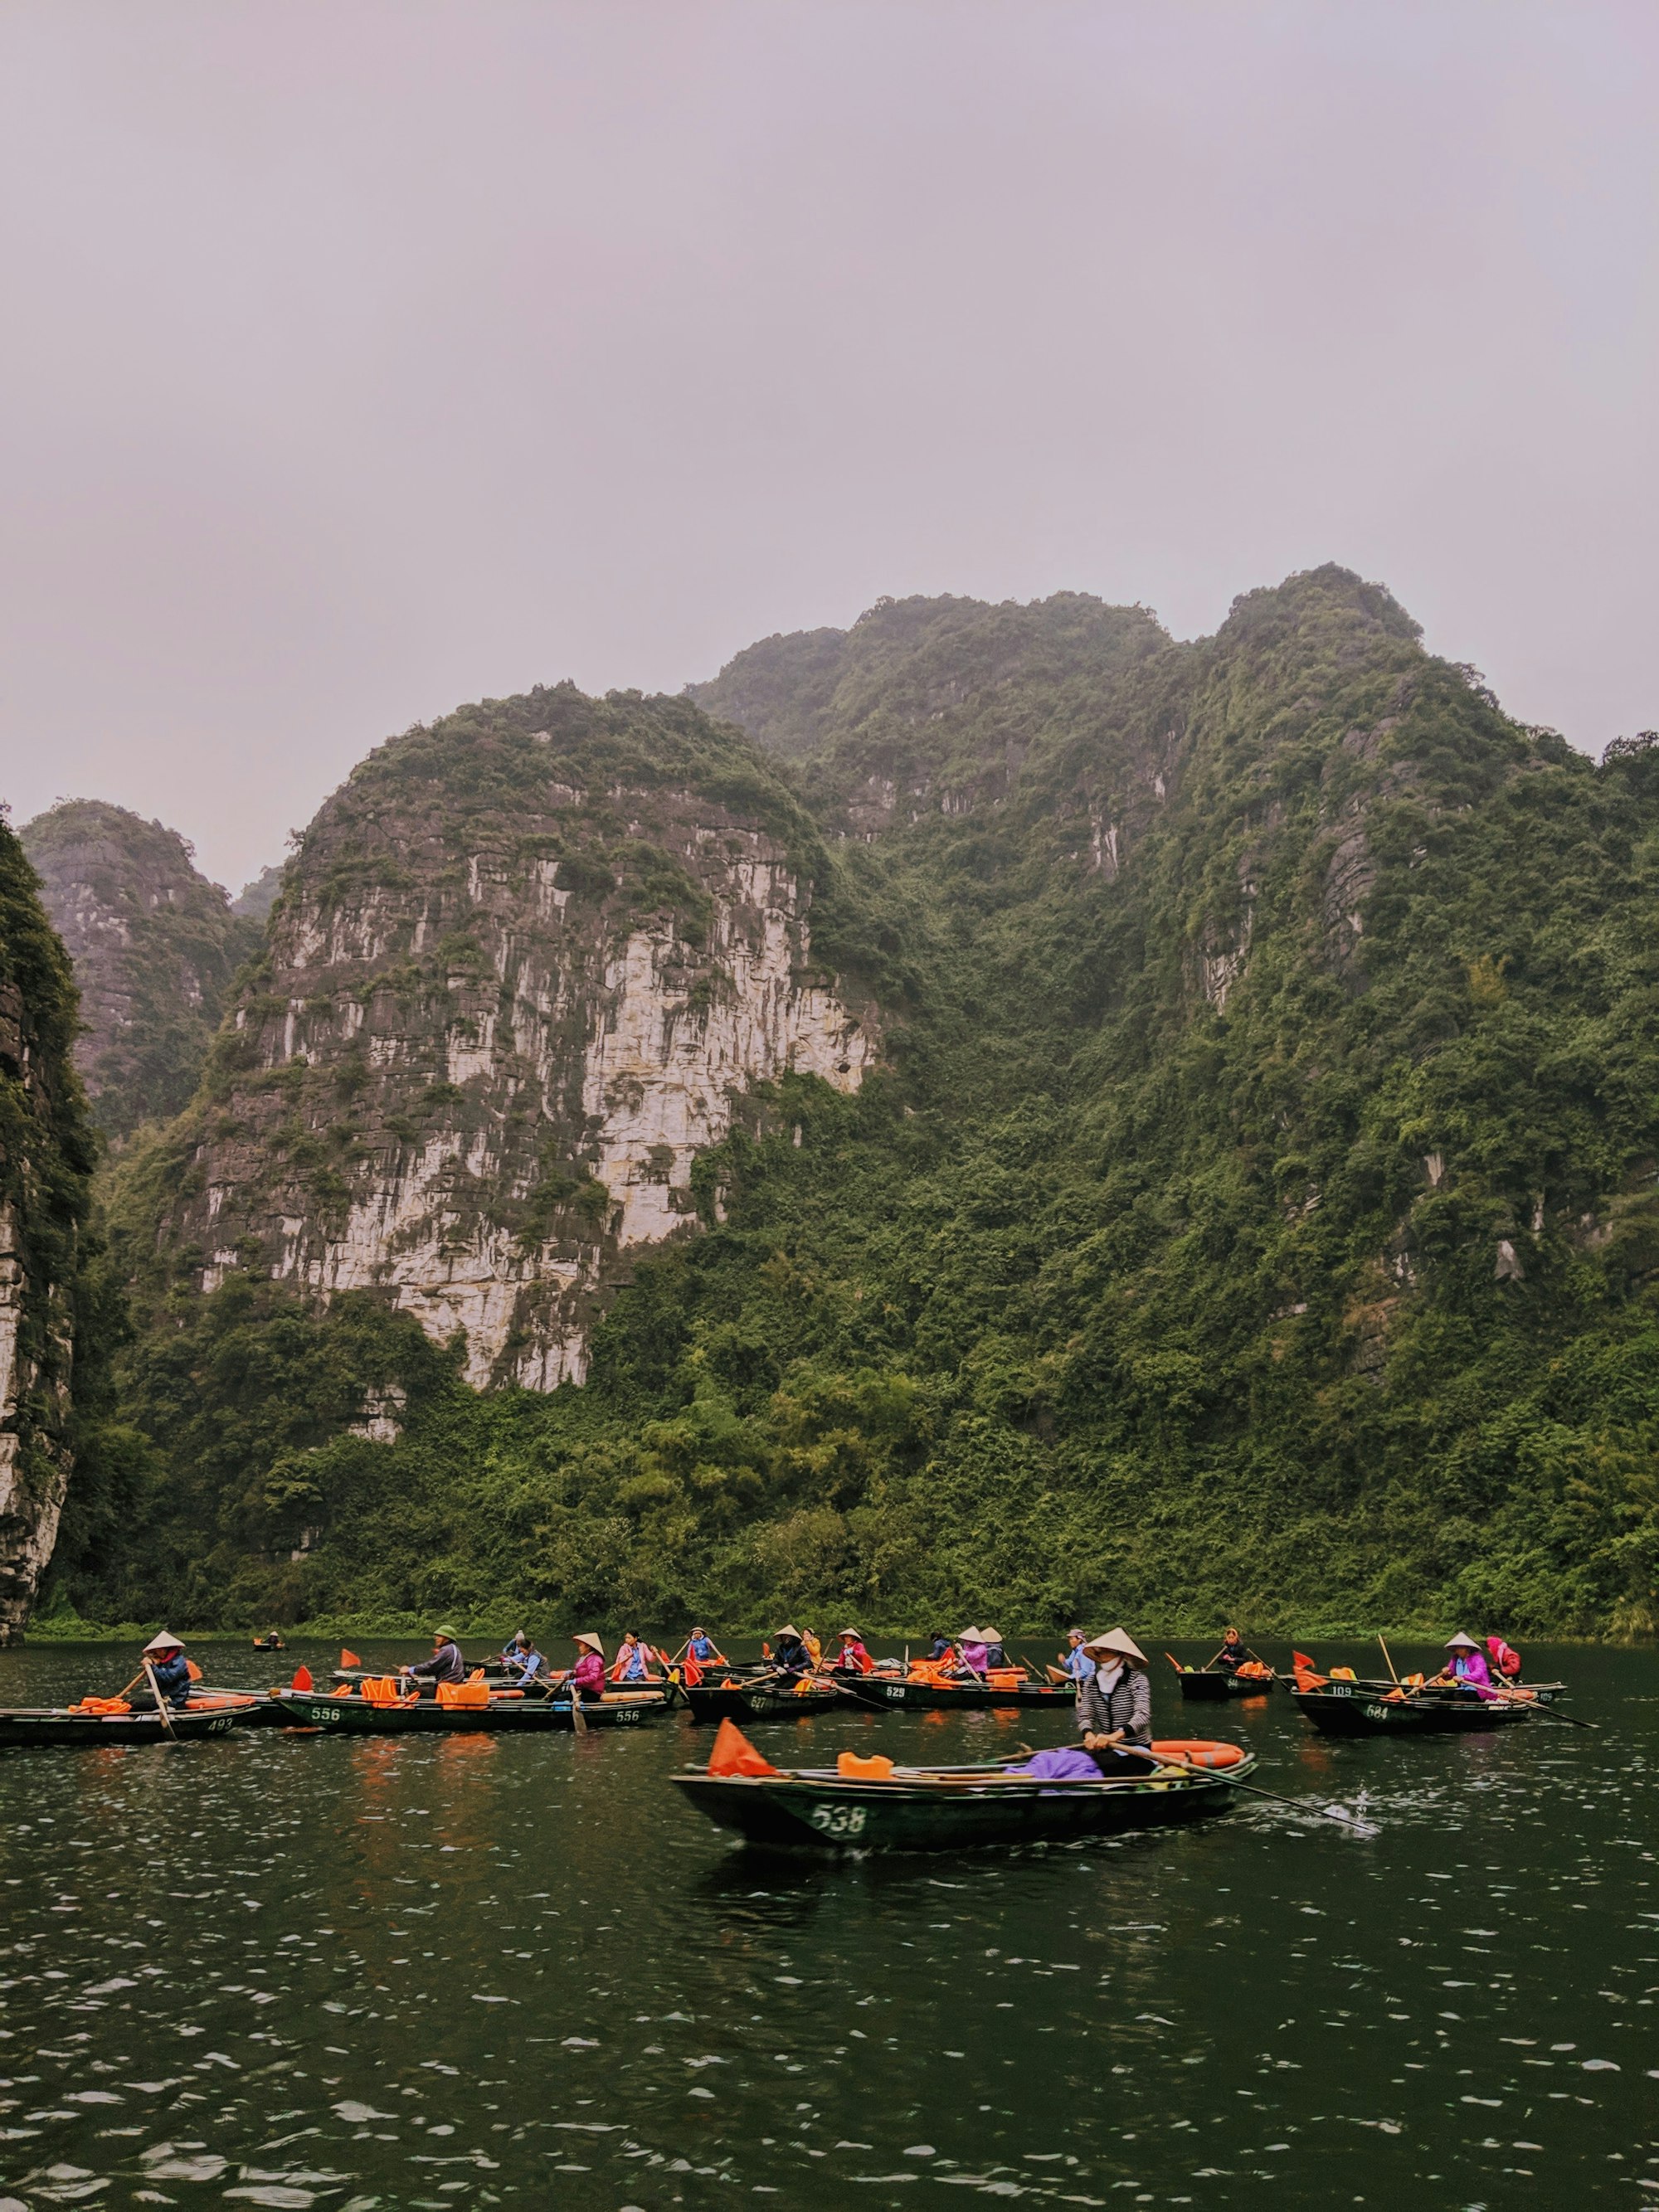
point(168, 1664)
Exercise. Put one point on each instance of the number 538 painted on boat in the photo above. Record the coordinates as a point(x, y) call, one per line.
point(840, 1820)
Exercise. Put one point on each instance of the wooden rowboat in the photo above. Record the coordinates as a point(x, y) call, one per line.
point(359, 1715)
point(1367, 1708)
point(1202, 1686)
point(951, 1808)
point(28, 1727)
point(248, 1708)
point(901, 1693)
point(759, 1699)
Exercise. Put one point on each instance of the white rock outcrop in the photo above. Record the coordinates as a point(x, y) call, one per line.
point(532, 1072)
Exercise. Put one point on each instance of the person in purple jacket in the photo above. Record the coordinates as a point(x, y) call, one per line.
point(1466, 1667)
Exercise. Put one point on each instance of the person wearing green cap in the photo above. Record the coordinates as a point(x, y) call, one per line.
point(446, 1665)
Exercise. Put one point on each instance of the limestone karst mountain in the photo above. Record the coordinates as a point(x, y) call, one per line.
point(46, 1163)
point(154, 946)
point(525, 961)
point(1092, 1121)
point(255, 900)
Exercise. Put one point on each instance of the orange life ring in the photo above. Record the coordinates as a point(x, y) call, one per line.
point(1196, 1752)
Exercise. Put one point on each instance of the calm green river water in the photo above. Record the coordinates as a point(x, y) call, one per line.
point(297, 1969)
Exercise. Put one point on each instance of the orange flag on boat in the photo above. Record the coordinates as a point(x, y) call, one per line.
point(302, 1679)
point(734, 1754)
point(349, 1659)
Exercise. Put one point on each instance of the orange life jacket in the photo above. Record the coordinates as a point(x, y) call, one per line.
point(471, 1694)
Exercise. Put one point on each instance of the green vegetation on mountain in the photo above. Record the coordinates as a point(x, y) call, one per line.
point(50, 1309)
point(156, 947)
point(1258, 1216)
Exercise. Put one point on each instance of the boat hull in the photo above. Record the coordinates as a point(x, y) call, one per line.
point(58, 1728)
point(890, 1694)
point(1199, 1688)
point(307, 1709)
point(756, 1701)
point(1350, 1709)
point(247, 1708)
point(821, 1812)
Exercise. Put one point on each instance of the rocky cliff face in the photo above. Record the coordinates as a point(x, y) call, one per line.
point(154, 946)
point(525, 963)
point(46, 1160)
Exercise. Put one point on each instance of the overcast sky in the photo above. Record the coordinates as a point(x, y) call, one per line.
point(361, 357)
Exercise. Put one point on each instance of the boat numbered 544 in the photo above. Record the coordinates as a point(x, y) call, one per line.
point(1367, 1708)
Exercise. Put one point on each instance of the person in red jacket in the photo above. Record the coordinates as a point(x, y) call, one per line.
point(853, 1657)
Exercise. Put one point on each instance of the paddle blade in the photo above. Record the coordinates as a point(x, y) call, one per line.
point(1352, 1821)
point(302, 1679)
point(734, 1754)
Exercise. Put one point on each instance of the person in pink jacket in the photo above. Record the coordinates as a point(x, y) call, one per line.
point(587, 1677)
point(1466, 1667)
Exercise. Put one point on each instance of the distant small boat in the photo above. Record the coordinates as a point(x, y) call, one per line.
point(36, 1728)
point(272, 1643)
point(913, 1693)
point(352, 1714)
point(1208, 1686)
point(763, 1699)
point(951, 1807)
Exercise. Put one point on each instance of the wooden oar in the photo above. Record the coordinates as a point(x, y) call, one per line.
point(1341, 1814)
point(160, 1702)
point(1547, 1712)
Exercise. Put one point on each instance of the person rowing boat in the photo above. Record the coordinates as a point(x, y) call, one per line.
point(1466, 1667)
point(1114, 1704)
point(790, 1657)
point(854, 1656)
point(633, 1660)
point(169, 1669)
point(1234, 1653)
point(586, 1678)
point(446, 1665)
point(524, 1663)
point(1075, 1660)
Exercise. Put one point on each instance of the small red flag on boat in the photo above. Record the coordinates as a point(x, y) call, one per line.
point(1301, 1659)
point(302, 1679)
point(349, 1659)
point(734, 1754)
